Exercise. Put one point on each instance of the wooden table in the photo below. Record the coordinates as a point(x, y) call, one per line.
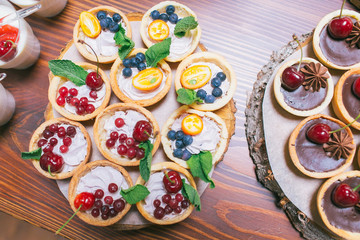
point(246, 33)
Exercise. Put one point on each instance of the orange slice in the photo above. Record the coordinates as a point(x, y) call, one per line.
point(195, 77)
point(148, 79)
point(192, 124)
point(158, 30)
point(90, 24)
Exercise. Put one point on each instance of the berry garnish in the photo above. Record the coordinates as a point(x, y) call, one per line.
point(67, 141)
point(209, 99)
point(119, 122)
point(74, 102)
point(173, 18)
point(60, 101)
point(7, 50)
point(61, 134)
point(53, 128)
point(104, 216)
point(93, 94)
point(80, 110)
point(71, 131)
point(159, 213)
point(140, 57)
point(114, 135)
point(94, 81)
point(215, 82)
point(114, 27)
point(186, 155)
point(170, 9)
point(64, 149)
point(179, 197)
point(140, 153)
point(113, 187)
point(341, 27)
point(108, 200)
point(172, 182)
point(116, 17)
point(95, 212)
point(90, 108)
point(99, 193)
point(221, 75)
point(105, 209)
point(47, 134)
point(156, 203)
point(155, 14)
point(73, 92)
point(53, 141)
point(171, 135)
point(356, 87)
point(142, 131)
point(122, 150)
point(166, 198)
point(173, 203)
point(127, 63)
point(201, 93)
point(344, 196)
point(319, 133)
point(168, 209)
point(98, 203)
point(63, 91)
point(42, 142)
point(129, 142)
point(122, 137)
point(217, 92)
point(101, 15)
point(110, 143)
point(164, 17)
point(119, 205)
point(51, 162)
point(131, 152)
point(185, 203)
point(178, 153)
point(112, 212)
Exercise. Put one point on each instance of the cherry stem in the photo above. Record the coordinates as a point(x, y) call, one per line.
point(9, 41)
point(50, 171)
point(147, 133)
point(301, 57)
point(356, 188)
point(97, 59)
point(337, 130)
point(342, 7)
point(61, 228)
point(167, 176)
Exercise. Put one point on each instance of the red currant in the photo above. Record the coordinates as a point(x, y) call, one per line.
point(74, 102)
point(63, 91)
point(93, 94)
point(122, 137)
point(156, 203)
point(129, 142)
point(99, 193)
point(64, 149)
point(68, 99)
point(60, 101)
point(112, 212)
point(122, 150)
point(84, 101)
point(140, 153)
point(177, 209)
point(113, 187)
point(110, 143)
point(119, 205)
point(95, 212)
point(42, 142)
point(185, 204)
point(131, 152)
point(159, 213)
point(73, 92)
point(98, 203)
point(105, 209)
point(114, 135)
point(166, 198)
point(47, 134)
point(173, 203)
point(108, 200)
point(168, 209)
point(53, 141)
point(105, 216)
point(179, 197)
point(53, 128)
point(80, 110)
point(67, 141)
point(90, 108)
point(61, 134)
point(119, 122)
point(71, 131)
point(48, 149)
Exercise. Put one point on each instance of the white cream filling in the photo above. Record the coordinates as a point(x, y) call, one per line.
point(207, 140)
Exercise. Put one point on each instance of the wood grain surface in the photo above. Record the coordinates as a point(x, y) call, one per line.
point(245, 33)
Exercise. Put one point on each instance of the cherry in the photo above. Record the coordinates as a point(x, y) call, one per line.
point(122, 150)
point(53, 141)
point(292, 78)
point(41, 142)
point(74, 102)
point(53, 128)
point(119, 205)
point(166, 198)
point(343, 196)
point(319, 133)
point(95, 212)
point(131, 152)
point(156, 203)
point(114, 135)
point(85, 200)
point(71, 131)
point(340, 28)
point(90, 108)
point(185, 203)
point(159, 213)
point(99, 193)
point(108, 200)
point(93, 94)
point(67, 141)
point(94, 81)
point(73, 92)
point(356, 87)
point(172, 182)
point(113, 187)
point(119, 122)
point(60, 101)
point(98, 203)
point(7, 50)
point(51, 162)
point(142, 131)
point(64, 149)
point(63, 91)
point(110, 143)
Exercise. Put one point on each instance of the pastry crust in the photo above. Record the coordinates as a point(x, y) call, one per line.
point(320, 196)
point(157, 168)
point(88, 218)
point(280, 97)
point(56, 82)
point(117, 68)
point(100, 138)
point(37, 135)
point(221, 146)
point(337, 102)
point(296, 161)
point(316, 39)
point(220, 62)
point(182, 11)
point(79, 35)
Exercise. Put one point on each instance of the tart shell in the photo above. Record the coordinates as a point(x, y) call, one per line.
point(157, 168)
point(99, 133)
point(294, 156)
point(117, 68)
point(221, 147)
point(88, 218)
point(220, 62)
point(37, 135)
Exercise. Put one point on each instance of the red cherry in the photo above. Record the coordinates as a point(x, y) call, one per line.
point(356, 87)
point(119, 122)
point(7, 50)
point(291, 79)
point(90, 108)
point(73, 92)
point(175, 184)
point(142, 131)
point(344, 196)
point(319, 133)
point(60, 101)
point(63, 91)
point(55, 162)
point(85, 199)
point(94, 81)
point(340, 28)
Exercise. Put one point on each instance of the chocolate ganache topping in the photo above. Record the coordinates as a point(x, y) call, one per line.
point(315, 76)
point(339, 146)
point(354, 38)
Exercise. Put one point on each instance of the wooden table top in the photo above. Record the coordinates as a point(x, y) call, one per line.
point(246, 33)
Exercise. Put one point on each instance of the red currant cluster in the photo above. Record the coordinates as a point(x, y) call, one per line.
point(70, 96)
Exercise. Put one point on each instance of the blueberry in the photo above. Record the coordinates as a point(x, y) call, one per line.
point(114, 27)
point(216, 82)
point(109, 20)
point(164, 17)
point(209, 99)
point(171, 135)
point(173, 18)
point(186, 155)
point(140, 57)
point(141, 66)
point(127, 62)
point(187, 140)
point(101, 15)
point(221, 75)
point(116, 17)
point(179, 144)
point(155, 14)
point(179, 135)
point(201, 93)
point(170, 9)
point(104, 23)
point(133, 62)
point(127, 72)
point(217, 92)
point(178, 153)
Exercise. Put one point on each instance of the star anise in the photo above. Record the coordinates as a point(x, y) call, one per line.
point(354, 38)
point(315, 76)
point(339, 146)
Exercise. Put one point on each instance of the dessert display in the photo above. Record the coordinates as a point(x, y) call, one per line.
point(78, 91)
point(134, 80)
point(205, 81)
point(166, 203)
point(122, 130)
point(105, 29)
point(338, 204)
point(172, 20)
point(59, 147)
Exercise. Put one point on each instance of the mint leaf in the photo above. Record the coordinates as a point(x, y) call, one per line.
point(187, 96)
point(135, 193)
point(200, 166)
point(126, 44)
point(157, 52)
point(69, 70)
point(190, 193)
point(184, 25)
point(145, 162)
point(36, 154)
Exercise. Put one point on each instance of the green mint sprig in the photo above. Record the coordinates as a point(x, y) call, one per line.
point(184, 25)
point(126, 44)
point(190, 193)
point(135, 194)
point(157, 52)
point(187, 96)
point(145, 162)
point(69, 70)
point(200, 166)
point(36, 154)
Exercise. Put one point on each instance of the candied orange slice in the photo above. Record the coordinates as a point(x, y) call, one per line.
point(195, 77)
point(158, 30)
point(148, 79)
point(90, 24)
point(192, 124)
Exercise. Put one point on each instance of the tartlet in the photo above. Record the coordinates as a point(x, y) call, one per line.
point(305, 101)
point(104, 125)
point(75, 157)
point(56, 82)
point(317, 160)
point(78, 34)
point(213, 123)
point(122, 91)
point(335, 53)
point(99, 165)
point(159, 191)
point(216, 64)
point(177, 53)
